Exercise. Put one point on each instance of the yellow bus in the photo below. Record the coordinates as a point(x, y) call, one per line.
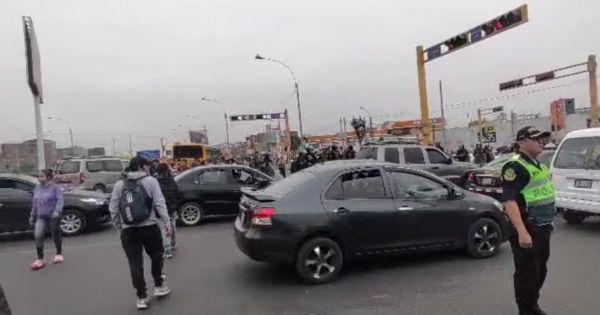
point(194, 152)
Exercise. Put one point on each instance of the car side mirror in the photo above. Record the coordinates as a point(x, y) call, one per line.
point(453, 193)
point(449, 161)
point(262, 183)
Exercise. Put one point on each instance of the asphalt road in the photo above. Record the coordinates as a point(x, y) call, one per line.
point(210, 276)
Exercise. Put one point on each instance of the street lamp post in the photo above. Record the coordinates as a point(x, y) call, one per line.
point(70, 132)
point(370, 121)
point(224, 115)
point(259, 57)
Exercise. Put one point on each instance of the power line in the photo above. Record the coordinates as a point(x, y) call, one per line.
point(508, 96)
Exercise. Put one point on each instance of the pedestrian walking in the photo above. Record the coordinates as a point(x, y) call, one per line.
point(45, 215)
point(173, 199)
point(528, 196)
point(136, 207)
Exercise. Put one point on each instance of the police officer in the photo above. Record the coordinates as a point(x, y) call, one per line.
point(528, 196)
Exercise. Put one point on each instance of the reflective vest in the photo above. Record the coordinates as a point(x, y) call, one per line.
point(539, 193)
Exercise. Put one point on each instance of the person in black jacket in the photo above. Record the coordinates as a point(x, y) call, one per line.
point(172, 196)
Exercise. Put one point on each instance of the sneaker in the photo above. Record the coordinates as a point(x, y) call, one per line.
point(58, 259)
point(38, 264)
point(169, 254)
point(142, 304)
point(162, 291)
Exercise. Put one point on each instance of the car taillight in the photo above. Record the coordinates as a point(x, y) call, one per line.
point(81, 178)
point(262, 216)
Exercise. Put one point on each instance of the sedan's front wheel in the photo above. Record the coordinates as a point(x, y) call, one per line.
point(190, 214)
point(319, 260)
point(72, 222)
point(484, 238)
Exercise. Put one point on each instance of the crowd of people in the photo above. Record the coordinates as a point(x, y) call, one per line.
point(309, 157)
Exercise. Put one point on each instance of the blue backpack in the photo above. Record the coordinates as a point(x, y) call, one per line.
point(135, 205)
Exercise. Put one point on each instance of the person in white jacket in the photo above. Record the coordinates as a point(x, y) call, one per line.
point(144, 235)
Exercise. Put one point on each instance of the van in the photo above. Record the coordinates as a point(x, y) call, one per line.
point(576, 174)
point(90, 174)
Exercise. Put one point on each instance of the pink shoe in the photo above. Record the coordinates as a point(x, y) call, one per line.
point(37, 265)
point(58, 259)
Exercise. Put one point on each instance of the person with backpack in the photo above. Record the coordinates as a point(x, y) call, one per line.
point(45, 215)
point(136, 207)
point(173, 196)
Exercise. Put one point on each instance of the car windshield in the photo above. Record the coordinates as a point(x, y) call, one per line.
point(579, 153)
point(290, 183)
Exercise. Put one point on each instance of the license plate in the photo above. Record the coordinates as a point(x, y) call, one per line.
point(486, 181)
point(583, 183)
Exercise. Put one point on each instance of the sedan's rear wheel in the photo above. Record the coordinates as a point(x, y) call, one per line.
point(319, 260)
point(484, 238)
point(190, 214)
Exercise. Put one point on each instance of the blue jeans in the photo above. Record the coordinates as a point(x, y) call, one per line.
point(42, 226)
point(170, 243)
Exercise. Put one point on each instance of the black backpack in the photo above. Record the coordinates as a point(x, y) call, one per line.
point(135, 205)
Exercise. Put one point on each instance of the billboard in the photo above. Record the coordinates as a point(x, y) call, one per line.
point(149, 155)
point(32, 54)
point(198, 136)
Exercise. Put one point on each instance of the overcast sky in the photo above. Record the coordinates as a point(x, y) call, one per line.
point(116, 67)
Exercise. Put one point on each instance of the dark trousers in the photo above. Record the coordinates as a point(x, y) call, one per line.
point(134, 241)
point(530, 265)
point(42, 226)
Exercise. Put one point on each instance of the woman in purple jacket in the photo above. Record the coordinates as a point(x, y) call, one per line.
point(45, 215)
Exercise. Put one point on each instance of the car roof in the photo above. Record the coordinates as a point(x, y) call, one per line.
point(584, 133)
point(347, 164)
point(230, 166)
point(18, 177)
point(92, 159)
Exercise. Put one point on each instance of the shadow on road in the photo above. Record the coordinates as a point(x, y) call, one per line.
point(28, 235)
point(259, 274)
point(590, 225)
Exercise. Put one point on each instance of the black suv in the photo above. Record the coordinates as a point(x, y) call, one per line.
point(81, 209)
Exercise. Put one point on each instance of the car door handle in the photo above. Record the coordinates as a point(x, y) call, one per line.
point(341, 210)
point(405, 208)
point(435, 168)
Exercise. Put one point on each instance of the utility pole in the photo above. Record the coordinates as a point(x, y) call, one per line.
point(592, 69)
point(426, 122)
point(443, 116)
point(130, 147)
point(480, 125)
point(513, 117)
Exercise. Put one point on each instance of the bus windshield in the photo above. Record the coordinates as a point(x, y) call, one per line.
point(188, 152)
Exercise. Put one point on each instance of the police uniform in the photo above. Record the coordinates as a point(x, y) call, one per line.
point(529, 184)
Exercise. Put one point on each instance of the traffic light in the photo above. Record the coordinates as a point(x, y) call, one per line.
point(544, 76)
point(497, 109)
point(456, 42)
point(511, 84)
point(256, 117)
point(504, 21)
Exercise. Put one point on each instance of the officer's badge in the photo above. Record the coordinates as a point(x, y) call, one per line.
point(509, 175)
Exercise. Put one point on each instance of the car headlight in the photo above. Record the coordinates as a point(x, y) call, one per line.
point(94, 201)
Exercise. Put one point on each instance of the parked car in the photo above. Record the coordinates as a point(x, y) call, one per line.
point(82, 209)
point(92, 174)
point(576, 174)
point(426, 158)
point(215, 190)
point(323, 216)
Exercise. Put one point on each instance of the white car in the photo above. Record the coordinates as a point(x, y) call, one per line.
point(576, 173)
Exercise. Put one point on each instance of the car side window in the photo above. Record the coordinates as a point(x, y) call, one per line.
point(413, 186)
point(414, 156)
point(94, 166)
point(113, 166)
point(435, 157)
point(24, 187)
point(363, 184)
point(392, 155)
point(212, 177)
point(9, 184)
point(243, 177)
